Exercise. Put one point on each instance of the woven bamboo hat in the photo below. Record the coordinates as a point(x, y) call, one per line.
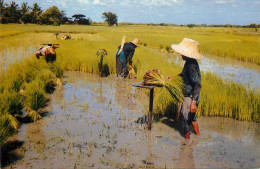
point(135, 42)
point(188, 48)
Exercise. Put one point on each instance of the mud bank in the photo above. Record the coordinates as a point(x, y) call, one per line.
point(91, 124)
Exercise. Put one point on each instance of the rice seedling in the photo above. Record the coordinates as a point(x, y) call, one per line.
point(6, 127)
point(101, 53)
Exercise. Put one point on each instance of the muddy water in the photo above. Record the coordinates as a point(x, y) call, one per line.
point(247, 74)
point(91, 124)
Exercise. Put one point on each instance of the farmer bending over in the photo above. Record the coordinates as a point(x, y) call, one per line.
point(48, 52)
point(188, 48)
point(125, 54)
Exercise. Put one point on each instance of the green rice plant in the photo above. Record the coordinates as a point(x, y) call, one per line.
point(35, 97)
point(11, 102)
point(227, 99)
point(6, 128)
point(57, 69)
point(46, 78)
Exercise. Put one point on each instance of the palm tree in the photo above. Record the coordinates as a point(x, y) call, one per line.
point(25, 17)
point(35, 13)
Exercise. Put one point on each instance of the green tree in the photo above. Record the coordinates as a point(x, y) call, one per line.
point(11, 13)
point(52, 16)
point(191, 25)
point(35, 13)
point(81, 20)
point(25, 15)
point(110, 18)
point(2, 7)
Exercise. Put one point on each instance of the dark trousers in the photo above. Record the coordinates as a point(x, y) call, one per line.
point(186, 117)
point(121, 66)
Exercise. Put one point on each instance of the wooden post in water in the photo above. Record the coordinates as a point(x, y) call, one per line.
point(150, 110)
point(101, 66)
point(150, 113)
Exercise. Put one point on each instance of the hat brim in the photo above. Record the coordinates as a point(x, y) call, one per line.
point(186, 52)
point(135, 44)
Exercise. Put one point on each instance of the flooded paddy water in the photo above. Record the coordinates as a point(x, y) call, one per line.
point(91, 123)
point(245, 73)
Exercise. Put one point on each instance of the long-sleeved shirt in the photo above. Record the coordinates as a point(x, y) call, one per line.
point(129, 50)
point(192, 79)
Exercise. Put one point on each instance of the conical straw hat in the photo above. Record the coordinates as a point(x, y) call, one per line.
point(135, 42)
point(188, 48)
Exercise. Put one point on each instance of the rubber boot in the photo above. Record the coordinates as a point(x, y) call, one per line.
point(187, 135)
point(195, 126)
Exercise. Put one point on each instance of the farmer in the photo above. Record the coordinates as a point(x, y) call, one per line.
point(125, 54)
point(188, 48)
point(48, 52)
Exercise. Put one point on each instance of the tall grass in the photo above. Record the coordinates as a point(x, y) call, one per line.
point(31, 76)
point(238, 43)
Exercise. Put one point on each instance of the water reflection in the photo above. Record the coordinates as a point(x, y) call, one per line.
point(123, 94)
point(104, 136)
point(246, 132)
point(186, 157)
point(101, 98)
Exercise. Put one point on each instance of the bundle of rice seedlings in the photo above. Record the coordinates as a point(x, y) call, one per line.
point(132, 74)
point(173, 86)
point(154, 77)
point(101, 53)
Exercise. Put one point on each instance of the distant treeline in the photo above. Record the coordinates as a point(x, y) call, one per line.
point(253, 25)
point(13, 13)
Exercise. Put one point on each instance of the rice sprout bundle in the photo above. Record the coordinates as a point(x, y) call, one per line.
point(153, 77)
point(132, 74)
point(173, 86)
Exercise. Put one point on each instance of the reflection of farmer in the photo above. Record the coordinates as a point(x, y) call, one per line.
point(186, 157)
point(188, 48)
point(125, 54)
point(123, 94)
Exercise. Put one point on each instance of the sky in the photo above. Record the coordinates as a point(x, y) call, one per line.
point(237, 12)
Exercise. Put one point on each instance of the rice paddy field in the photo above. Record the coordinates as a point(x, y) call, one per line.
point(27, 94)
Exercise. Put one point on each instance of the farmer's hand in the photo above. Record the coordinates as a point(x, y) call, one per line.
point(169, 78)
point(130, 67)
point(193, 106)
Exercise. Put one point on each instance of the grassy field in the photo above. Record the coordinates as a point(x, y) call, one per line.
point(24, 84)
point(238, 43)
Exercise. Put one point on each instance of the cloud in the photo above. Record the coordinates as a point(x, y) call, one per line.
point(85, 2)
point(150, 2)
point(221, 2)
point(97, 2)
point(233, 3)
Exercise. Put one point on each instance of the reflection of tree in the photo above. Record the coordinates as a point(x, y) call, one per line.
point(186, 158)
point(123, 94)
point(100, 98)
